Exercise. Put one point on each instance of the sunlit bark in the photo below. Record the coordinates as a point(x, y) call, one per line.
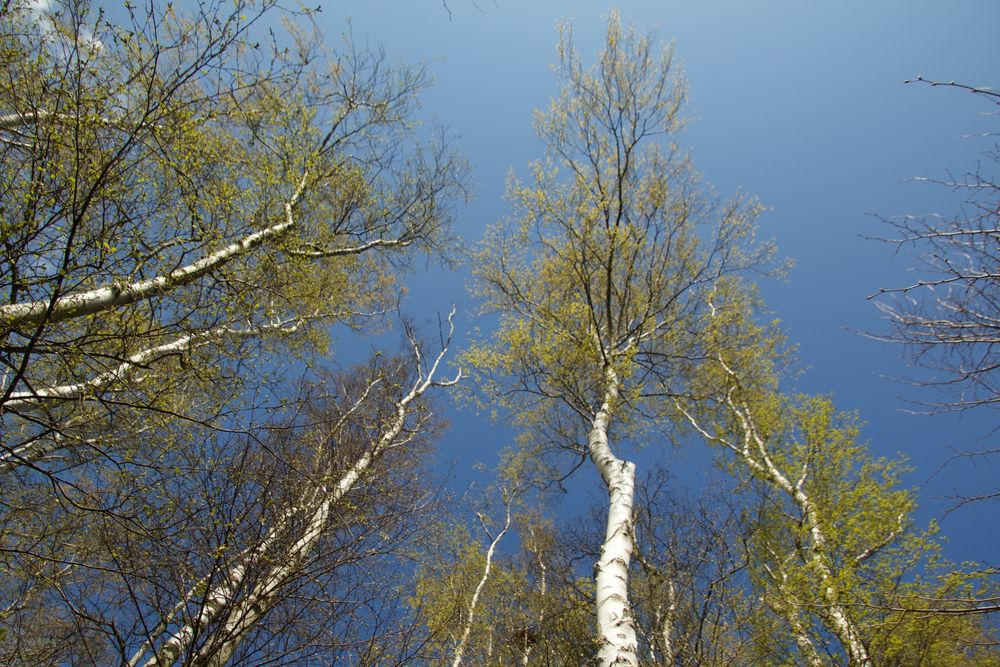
point(231, 608)
point(752, 448)
point(470, 616)
point(615, 623)
point(596, 276)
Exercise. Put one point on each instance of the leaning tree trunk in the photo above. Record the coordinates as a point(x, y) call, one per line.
point(755, 452)
point(231, 609)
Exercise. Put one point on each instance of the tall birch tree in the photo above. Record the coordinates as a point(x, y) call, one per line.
point(598, 277)
point(383, 410)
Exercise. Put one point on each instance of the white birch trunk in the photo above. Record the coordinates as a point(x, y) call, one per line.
point(471, 614)
point(105, 298)
point(138, 361)
point(234, 618)
point(802, 639)
point(667, 625)
point(754, 451)
point(261, 596)
point(788, 607)
point(615, 624)
point(529, 644)
point(818, 555)
point(36, 450)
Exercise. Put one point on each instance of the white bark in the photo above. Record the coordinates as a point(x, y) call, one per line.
point(755, 453)
point(234, 616)
point(667, 625)
point(14, 121)
point(105, 298)
point(135, 362)
point(470, 616)
point(805, 644)
point(529, 644)
point(788, 607)
point(35, 450)
point(10, 121)
point(615, 623)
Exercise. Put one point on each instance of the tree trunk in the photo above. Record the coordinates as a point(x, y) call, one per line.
point(755, 452)
point(471, 615)
point(232, 617)
point(615, 624)
point(47, 311)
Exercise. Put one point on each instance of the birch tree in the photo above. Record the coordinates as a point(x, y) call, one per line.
point(189, 199)
point(176, 184)
point(834, 553)
point(222, 609)
point(286, 545)
point(531, 607)
point(596, 277)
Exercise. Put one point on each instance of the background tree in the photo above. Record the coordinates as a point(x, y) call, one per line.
point(381, 411)
point(597, 277)
point(691, 591)
point(290, 544)
point(947, 318)
point(532, 607)
point(833, 552)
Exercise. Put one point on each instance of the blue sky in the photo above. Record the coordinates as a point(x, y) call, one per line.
point(801, 104)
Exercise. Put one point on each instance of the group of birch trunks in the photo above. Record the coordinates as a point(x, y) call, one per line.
point(198, 206)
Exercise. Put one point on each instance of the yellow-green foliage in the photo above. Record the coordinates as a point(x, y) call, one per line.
point(612, 246)
point(885, 570)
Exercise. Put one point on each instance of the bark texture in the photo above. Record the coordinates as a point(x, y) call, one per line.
point(615, 624)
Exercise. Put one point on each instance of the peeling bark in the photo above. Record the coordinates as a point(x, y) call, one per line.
point(615, 624)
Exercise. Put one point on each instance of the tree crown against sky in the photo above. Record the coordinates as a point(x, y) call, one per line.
point(244, 198)
point(192, 198)
point(600, 277)
point(179, 185)
point(613, 243)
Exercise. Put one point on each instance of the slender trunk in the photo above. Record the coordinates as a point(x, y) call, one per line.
point(755, 453)
point(835, 611)
point(529, 641)
point(244, 614)
point(817, 554)
point(471, 614)
point(787, 606)
point(805, 644)
point(234, 616)
point(19, 400)
point(667, 625)
point(34, 451)
point(618, 643)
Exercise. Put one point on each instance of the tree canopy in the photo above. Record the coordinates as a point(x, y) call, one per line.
point(206, 211)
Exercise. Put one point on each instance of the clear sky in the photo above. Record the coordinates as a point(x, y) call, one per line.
point(802, 104)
